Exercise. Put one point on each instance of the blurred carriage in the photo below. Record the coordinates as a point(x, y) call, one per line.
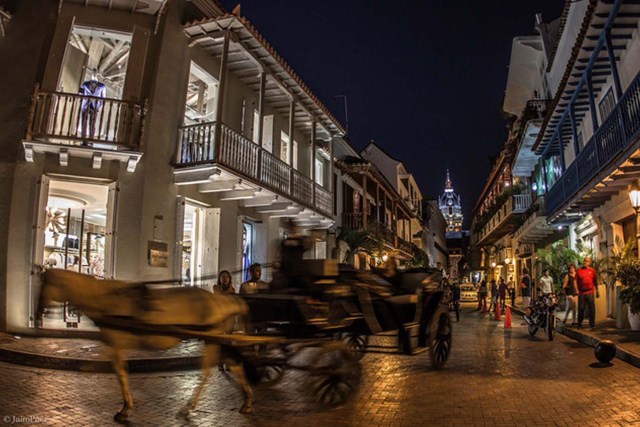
point(335, 309)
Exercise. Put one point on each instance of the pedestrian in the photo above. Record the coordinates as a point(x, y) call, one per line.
point(512, 292)
point(570, 289)
point(525, 288)
point(587, 280)
point(224, 284)
point(482, 295)
point(546, 283)
point(254, 285)
point(494, 295)
point(502, 293)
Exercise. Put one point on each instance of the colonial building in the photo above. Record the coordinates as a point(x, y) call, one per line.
point(572, 90)
point(153, 140)
point(451, 206)
point(589, 142)
point(376, 194)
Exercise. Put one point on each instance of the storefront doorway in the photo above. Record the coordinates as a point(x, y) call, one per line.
point(199, 253)
point(74, 233)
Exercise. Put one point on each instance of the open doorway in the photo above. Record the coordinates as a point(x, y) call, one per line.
point(200, 235)
point(75, 234)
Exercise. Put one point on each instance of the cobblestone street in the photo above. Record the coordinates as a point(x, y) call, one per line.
point(495, 377)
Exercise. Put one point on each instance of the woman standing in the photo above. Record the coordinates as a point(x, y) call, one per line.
point(570, 288)
point(224, 283)
point(482, 295)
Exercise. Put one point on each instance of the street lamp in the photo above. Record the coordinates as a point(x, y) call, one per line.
point(634, 196)
point(493, 264)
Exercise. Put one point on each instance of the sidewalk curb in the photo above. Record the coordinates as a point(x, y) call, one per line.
point(591, 340)
point(164, 364)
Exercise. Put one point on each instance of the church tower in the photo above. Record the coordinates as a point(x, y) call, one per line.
point(450, 206)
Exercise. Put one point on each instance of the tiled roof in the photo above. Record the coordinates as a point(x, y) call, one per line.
point(263, 41)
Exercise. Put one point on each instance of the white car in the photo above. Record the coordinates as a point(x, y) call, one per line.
point(468, 293)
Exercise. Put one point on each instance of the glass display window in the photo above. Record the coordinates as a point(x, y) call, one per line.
point(75, 238)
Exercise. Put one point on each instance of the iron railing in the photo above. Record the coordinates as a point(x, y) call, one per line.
point(68, 118)
point(615, 134)
point(240, 154)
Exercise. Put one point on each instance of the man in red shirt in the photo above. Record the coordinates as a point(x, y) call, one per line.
point(587, 285)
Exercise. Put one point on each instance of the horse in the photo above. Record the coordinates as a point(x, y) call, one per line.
point(132, 315)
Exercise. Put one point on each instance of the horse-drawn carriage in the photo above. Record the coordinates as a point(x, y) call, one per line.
point(311, 303)
point(316, 302)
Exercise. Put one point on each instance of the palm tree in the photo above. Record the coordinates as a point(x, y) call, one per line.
point(556, 259)
point(358, 241)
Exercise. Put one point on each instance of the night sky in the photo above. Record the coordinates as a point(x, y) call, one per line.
point(424, 79)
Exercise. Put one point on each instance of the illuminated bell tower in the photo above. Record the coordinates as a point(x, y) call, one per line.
point(450, 206)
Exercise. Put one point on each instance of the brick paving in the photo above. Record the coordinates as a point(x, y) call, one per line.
point(495, 377)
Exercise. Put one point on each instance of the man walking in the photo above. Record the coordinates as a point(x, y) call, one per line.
point(587, 285)
point(546, 283)
point(525, 285)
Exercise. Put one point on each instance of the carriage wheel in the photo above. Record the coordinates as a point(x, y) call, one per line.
point(440, 337)
point(356, 343)
point(334, 375)
point(269, 375)
point(265, 368)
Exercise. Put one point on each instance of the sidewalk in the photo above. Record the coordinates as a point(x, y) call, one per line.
point(87, 355)
point(627, 341)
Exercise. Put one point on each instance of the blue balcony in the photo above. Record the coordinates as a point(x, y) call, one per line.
point(606, 146)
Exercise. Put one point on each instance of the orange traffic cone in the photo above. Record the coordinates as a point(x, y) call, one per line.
point(507, 318)
point(497, 316)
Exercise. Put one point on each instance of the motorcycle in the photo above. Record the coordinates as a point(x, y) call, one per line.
point(542, 315)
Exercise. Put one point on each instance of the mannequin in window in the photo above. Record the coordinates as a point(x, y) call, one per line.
point(91, 106)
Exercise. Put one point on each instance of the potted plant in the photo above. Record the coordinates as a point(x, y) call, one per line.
point(628, 273)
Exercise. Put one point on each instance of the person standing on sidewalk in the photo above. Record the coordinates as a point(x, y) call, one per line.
point(525, 285)
point(502, 293)
point(512, 292)
point(570, 289)
point(546, 283)
point(494, 295)
point(587, 285)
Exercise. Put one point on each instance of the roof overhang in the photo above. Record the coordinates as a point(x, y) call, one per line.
point(623, 26)
point(249, 56)
point(526, 160)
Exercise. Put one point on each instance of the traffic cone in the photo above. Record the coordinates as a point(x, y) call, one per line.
point(507, 318)
point(497, 316)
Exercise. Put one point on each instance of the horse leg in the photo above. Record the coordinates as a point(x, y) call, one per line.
point(236, 368)
point(118, 363)
point(210, 355)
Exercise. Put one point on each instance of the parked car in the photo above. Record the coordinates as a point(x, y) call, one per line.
point(468, 293)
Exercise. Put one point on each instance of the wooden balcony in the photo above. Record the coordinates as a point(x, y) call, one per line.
point(354, 220)
point(504, 220)
point(616, 134)
point(72, 125)
point(69, 118)
point(248, 160)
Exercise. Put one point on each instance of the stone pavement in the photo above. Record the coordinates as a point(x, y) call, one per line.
point(92, 356)
point(495, 377)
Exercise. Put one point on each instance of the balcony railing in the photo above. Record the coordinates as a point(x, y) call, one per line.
point(499, 225)
point(354, 220)
point(614, 135)
point(248, 159)
point(68, 118)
